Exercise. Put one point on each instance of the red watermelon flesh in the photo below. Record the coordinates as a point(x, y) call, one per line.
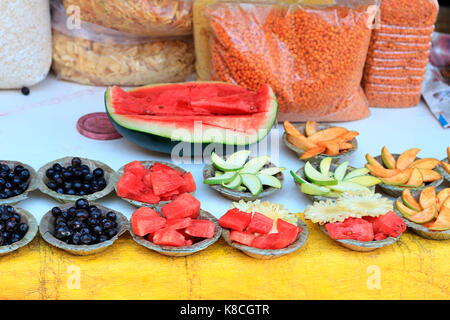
point(284, 226)
point(164, 183)
point(235, 219)
point(164, 168)
point(145, 212)
point(179, 223)
point(375, 224)
point(284, 238)
point(168, 237)
point(145, 221)
point(148, 180)
point(380, 236)
point(136, 168)
point(260, 224)
point(189, 183)
point(352, 228)
point(147, 196)
point(187, 99)
point(129, 185)
point(185, 205)
point(391, 224)
point(245, 238)
point(201, 229)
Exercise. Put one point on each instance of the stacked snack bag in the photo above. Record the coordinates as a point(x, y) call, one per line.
point(398, 53)
point(126, 43)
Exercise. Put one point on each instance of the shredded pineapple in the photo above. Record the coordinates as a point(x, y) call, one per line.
point(356, 204)
point(272, 210)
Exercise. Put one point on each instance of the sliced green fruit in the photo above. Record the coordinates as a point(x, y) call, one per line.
point(346, 186)
point(312, 189)
point(241, 189)
point(409, 201)
point(366, 181)
point(252, 183)
point(298, 178)
point(235, 183)
point(404, 210)
point(316, 177)
point(238, 158)
point(222, 165)
point(356, 173)
point(269, 180)
point(340, 171)
point(387, 158)
point(225, 178)
point(254, 165)
point(423, 216)
point(371, 160)
point(271, 171)
point(333, 194)
point(324, 166)
point(218, 173)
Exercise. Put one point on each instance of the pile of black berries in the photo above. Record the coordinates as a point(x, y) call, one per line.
point(13, 182)
point(11, 229)
point(84, 224)
point(76, 179)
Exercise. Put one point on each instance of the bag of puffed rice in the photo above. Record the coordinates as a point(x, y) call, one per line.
point(95, 55)
point(25, 42)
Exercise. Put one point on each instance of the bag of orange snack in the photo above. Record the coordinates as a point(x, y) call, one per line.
point(312, 56)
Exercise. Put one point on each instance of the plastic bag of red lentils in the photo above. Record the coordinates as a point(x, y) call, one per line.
point(312, 56)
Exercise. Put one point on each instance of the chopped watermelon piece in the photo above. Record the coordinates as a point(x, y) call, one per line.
point(149, 237)
point(129, 185)
point(284, 225)
point(188, 242)
point(260, 224)
point(391, 224)
point(380, 236)
point(185, 205)
point(147, 196)
point(164, 183)
point(189, 183)
point(245, 238)
point(201, 229)
point(235, 219)
point(136, 168)
point(147, 180)
point(375, 224)
point(145, 224)
point(168, 237)
point(146, 212)
point(285, 238)
point(352, 228)
point(159, 167)
point(179, 223)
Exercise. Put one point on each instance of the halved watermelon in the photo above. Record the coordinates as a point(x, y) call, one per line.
point(192, 112)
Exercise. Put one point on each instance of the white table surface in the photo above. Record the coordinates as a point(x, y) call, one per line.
point(41, 127)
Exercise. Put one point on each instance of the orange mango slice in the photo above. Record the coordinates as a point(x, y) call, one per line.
point(410, 201)
point(446, 166)
point(429, 175)
point(415, 179)
point(406, 158)
point(427, 198)
point(387, 158)
point(423, 216)
point(371, 160)
point(427, 163)
point(345, 146)
point(381, 172)
point(443, 220)
point(327, 134)
point(441, 197)
point(400, 178)
point(311, 128)
point(312, 153)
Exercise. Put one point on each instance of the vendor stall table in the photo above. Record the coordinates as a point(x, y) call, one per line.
point(41, 127)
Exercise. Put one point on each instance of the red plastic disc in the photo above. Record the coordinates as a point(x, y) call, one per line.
point(97, 126)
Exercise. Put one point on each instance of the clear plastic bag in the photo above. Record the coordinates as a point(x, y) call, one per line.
point(96, 55)
point(399, 52)
point(153, 18)
point(25, 43)
point(312, 56)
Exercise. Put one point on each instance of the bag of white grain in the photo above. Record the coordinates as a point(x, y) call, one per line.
point(25, 42)
point(92, 54)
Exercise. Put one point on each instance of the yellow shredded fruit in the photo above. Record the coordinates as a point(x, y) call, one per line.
point(271, 210)
point(365, 204)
